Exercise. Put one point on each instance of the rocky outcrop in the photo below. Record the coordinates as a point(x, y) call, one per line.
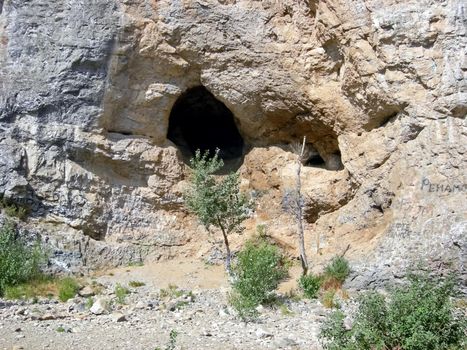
point(378, 87)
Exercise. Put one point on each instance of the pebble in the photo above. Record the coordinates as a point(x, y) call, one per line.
point(118, 317)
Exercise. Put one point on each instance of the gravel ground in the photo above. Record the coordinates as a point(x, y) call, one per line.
point(201, 317)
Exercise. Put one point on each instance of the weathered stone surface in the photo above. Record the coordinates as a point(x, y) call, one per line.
point(378, 87)
point(100, 306)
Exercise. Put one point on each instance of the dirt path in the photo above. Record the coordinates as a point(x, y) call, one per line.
point(192, 274)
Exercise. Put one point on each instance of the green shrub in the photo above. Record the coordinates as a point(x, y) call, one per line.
point(136, 284)
point(19, 262)
point(310, 285)
point(121, 293)
point(338, 269)
point(68, 287)
point(418, 316)
point(258, 271)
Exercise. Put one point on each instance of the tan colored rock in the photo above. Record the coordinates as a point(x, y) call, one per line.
point(378, 87)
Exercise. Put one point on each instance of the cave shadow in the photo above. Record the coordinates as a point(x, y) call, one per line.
point(200, 121)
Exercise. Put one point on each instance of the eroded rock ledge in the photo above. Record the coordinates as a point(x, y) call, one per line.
point(378, 87)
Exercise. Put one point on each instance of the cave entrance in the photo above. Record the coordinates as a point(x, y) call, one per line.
point(200, 121)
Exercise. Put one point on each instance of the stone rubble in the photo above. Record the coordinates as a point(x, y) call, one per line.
point(205, 321)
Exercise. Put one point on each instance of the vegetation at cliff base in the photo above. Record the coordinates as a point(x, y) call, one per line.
point(416, 316)
point(68, 287)
point(310, 285)
point(327, 284)
point(258, 271)
point(19, 261)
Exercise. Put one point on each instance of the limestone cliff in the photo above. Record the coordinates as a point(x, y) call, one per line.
point(101, 103)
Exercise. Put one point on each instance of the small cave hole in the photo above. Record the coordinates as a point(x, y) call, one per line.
point(315, 160)
point(200, 121)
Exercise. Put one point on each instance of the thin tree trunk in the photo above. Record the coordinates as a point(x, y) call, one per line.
point(228, 267)
point(301, 235)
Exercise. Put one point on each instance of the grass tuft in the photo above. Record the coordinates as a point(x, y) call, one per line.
point(136, 284)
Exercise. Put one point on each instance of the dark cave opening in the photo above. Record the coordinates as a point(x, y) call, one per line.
point(200, 121)
point(315, 160)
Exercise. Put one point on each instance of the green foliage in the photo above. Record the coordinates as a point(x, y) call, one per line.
point(258, 271)
point(19, 262)
point(13, 210)
point(419, 316)
point(38, 286)
point(338, 269)
point(285, 311)
point(135, 263)
point(136, 284)
point(172, 341)
point(310, 285)
point(171, 292)
point(121, 293)
point(16, 212)
point(89, 302)
point(336, 336)
point(68, 287)
point(216, 203)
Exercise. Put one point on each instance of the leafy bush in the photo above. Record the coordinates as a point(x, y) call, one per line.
point(310, 285)
point(121, 293)
point(19, 262)
point(68, 287)
point(258, 271)
point(338, 269)
point(419, 316)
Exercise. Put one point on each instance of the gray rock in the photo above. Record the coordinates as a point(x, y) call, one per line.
point(100, 306)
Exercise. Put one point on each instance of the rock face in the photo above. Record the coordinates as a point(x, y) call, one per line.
point(378, 87)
